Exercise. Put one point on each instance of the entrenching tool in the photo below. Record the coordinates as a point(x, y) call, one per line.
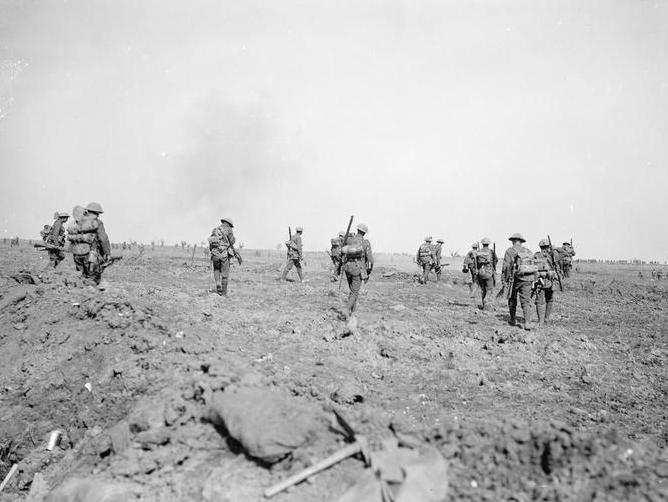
point(358, 445)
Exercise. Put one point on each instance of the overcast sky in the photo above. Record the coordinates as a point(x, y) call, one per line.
point(457, 119)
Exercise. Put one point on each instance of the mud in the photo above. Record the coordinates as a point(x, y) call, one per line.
point(575, 411)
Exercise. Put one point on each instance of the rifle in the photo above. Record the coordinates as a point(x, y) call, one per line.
point(554, 263)
point(494, 265)
point(48, 247)
point(343, 255)
point(110, 261)
point(509, 282)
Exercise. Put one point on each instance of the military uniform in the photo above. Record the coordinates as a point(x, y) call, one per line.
point(335, 256)
point(566, 253)
point(357, 264)
point(56, 238)
point(544, 286)
point(438, 256)
point(469, 266)
point(44, 233)
point(485, 260)
point(295, 255)
point(519, 268)
point(425, 258)
point(90, 244)
point(221, 247)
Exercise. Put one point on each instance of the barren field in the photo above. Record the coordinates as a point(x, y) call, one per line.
point(575, 411)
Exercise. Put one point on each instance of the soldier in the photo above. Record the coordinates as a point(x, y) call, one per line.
point(335, 254)
point(295, 256)
point(357, 263)
point(90, 243)
point(221, 247)
point(469, 267)
point(486, 261)
point(519, 272)
point(567, 253)
point(438, 255)
point(56, 239)
point(44, 233)
point(544, 286)
point(426, 259)
point(659, 274)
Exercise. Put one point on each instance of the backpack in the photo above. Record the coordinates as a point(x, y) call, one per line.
point(484, 258)
point(354, 250)
point(425, 250)
point(526, 263)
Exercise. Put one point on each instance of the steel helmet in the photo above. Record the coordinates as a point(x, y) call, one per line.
point(474, 245)
point(363, 228)
point(440, 241)
point(299, 229)
point(63, 214)
point(342, 233)
point(227, 220)
point(566, 243)
point(485, 240)
point(517, 237)
point(544, 243)
point(427, 239)
point(94, 207)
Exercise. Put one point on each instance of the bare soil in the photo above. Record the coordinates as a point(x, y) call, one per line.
point(574, 411)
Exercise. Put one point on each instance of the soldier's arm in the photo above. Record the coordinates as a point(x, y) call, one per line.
point(103, 238)
point(369, 256)
point(507, 263)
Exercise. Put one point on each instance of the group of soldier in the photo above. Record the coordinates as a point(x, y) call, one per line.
point(525, 275)
point(87, 238)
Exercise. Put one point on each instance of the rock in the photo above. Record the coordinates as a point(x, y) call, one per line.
point(398, 307)
point(269, 424)
point(348, 393)
point(147, 414)
point(175, 411)
point(120, 437)
point(90, 490)
point(149, 440)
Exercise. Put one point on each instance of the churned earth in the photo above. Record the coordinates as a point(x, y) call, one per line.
point(575, 411)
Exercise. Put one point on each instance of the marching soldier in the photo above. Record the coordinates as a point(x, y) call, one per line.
point(56, 238)
point(90, 243)
point(221, 247)
point(357, 263)
point(486, 261)
point(469, 267)
point(426, 259)
point(567, 253)
point(335, 254)
point(544, 285)
point(438, 255)
point(295, 256)
point(519, 272)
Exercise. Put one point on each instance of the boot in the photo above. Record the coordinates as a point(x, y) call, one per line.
point(513, 310)
point(223, 288)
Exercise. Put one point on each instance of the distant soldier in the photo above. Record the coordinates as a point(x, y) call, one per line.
point(335, 254)
point(486, 261)
point(519, 272)
point(438, 256)
point(44, 233)
point(56, 239)
point(295, 255)
point(221, 247)
point(469, 267)
point(659, 274)
point(543, 288)
point(566, 253)
point(653, 274)
point(357, 263)
point(426, 259)
point(90, 243)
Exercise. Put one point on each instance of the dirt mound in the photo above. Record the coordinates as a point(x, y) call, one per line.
point(518, 460)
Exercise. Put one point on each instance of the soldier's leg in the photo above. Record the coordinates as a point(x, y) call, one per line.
point(540, 306)
point(287, 268)
point(512, 303)
point(425, 273)
point(549, 298)
point(525, 299)
point(438, 270)
point(354, 283)
point(224, 276)
point(215, 266)
point(60, 257)
point(298, 266)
